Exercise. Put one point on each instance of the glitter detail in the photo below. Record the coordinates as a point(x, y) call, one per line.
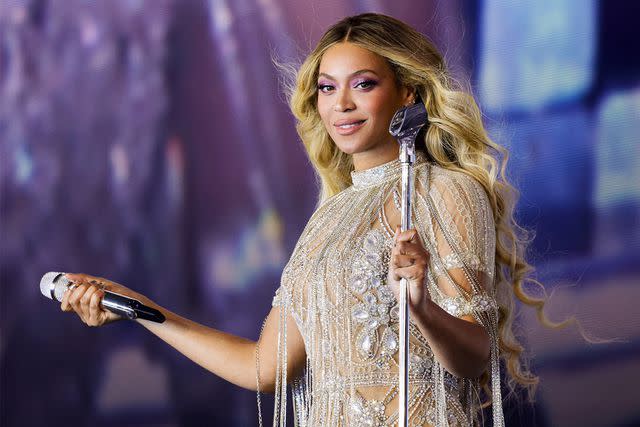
point(383, 173)
point(334, 288)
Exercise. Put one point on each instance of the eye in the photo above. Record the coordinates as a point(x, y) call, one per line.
point(325, 88)
point(366, 84)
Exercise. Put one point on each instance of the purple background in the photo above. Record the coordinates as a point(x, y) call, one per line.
point(148, 142)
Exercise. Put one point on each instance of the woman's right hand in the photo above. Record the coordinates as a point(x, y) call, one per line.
point(85, 294)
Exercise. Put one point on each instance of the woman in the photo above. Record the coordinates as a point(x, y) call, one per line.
point(332, 333)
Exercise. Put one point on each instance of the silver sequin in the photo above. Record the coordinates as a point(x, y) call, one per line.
point(334, 287)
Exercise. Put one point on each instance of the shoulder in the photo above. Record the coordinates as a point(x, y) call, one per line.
point(453, 187)
point(451, 181)
point(330, 202)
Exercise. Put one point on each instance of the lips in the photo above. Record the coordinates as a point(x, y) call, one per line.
point(347, 127)
point(348, 123)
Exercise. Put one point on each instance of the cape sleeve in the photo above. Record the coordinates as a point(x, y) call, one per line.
point(454, 210)
point(453, 214)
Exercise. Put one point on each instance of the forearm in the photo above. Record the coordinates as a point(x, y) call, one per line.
point(462, 347)
point(227, 356)
point(230, 357)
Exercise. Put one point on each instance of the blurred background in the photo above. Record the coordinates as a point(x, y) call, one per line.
point(149, 142)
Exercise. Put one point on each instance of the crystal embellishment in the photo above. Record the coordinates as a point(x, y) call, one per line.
point(458, 306)
point(366, 413)
point(367, 281)
point(335, 288)
point(383, 173)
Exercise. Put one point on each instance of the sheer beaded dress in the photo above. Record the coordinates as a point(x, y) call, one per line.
point(334, 287)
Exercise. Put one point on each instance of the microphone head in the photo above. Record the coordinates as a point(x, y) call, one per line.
point(408, 120)
point(53, 285)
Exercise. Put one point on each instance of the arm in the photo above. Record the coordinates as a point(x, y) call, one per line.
point(460, 344)
point(228, 356)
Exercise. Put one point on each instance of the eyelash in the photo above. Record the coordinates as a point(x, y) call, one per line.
point(322, 87)
point(369, 84)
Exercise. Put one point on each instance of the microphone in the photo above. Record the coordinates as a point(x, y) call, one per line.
point(405, 126)
point(408, 121)
point(54, 284)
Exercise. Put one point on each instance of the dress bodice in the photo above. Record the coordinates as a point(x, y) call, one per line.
point(334, 287)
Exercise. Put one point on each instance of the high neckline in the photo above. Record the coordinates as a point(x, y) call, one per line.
point(382, 173)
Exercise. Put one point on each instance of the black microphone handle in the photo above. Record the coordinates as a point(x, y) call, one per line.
point(130, 308)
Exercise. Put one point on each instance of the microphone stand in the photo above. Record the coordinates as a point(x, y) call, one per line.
point(405, 125)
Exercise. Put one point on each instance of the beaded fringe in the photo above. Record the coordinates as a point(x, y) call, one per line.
point(302, 388)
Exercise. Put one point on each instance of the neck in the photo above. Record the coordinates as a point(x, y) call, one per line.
point(375, 157)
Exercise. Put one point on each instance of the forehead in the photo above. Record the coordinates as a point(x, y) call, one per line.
point(342, 59)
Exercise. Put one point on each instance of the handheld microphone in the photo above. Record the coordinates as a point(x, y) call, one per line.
point(54, 284)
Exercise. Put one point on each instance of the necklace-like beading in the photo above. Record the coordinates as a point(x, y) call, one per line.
point(333, 287)
point(382, 173)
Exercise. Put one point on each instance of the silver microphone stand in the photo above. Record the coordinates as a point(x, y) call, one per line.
point(405, 125)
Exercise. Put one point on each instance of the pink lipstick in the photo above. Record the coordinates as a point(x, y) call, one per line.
point(348, 127)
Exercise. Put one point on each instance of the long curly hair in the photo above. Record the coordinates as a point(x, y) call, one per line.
point(455, 139)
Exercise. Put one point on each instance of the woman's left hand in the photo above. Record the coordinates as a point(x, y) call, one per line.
point(409, 259)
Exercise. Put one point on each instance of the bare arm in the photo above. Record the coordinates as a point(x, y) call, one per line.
point(461, 345)
point(228, 356)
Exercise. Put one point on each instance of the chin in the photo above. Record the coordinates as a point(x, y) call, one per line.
point(348, 146)
point(351, 149)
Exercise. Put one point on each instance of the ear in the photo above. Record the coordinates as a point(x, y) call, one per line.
point(408, 95)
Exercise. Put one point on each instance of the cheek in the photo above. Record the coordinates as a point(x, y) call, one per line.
point(381, 106)
point(324, 109)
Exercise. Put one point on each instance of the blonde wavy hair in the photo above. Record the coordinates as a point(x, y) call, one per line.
point(455, 139)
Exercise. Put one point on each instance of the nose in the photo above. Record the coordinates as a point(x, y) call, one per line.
point(344, 102)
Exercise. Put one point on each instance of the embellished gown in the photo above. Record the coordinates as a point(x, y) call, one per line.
point(334, 287)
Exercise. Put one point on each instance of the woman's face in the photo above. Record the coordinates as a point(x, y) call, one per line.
point(357, 97)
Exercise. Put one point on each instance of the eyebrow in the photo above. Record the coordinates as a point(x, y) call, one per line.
point(357, 73)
